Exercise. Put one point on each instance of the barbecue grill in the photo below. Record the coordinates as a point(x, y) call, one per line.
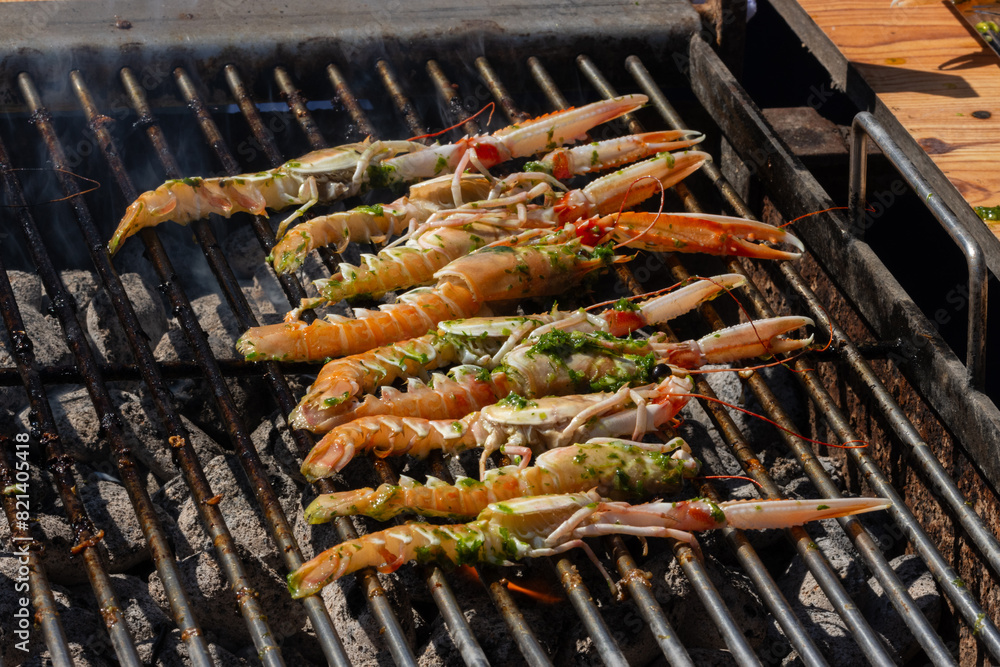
point(239, 86)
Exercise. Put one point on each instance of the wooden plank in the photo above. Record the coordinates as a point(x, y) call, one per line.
point(930, 69)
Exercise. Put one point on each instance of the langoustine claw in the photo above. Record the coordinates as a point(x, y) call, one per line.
point(692, 233)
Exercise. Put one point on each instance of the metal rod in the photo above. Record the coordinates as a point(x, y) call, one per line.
point(264, 640)
point(297, 104)
point(649, 608)
point(866, 637)
point(330, 642)
point(43, 430)
point(346, 97)
point(399, 98)
point(524, 636)
point(500, 93)
point(447, 91)
point(864, 125)
point(731, 633)
point(547, 84)
point(866, 546)
point(265, 138)
point(769, 591)
point(971, 611)
point(181, 449)
point(458, 627)
point(27, 550)
point(579, 596)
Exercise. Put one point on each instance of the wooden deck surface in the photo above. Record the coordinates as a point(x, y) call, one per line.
point(941, 82)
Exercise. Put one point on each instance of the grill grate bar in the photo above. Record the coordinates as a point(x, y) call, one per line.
point(586, 609)
point(814, 560)
point(824, 573)
point(346, 97)
point(187, 461)
point(43, 428)
point(399, 98)
point(318, 615)
point(27, 550)
point(901, 599)
point(453, 105)
point(649, 608)
point(198, 342)
point(297, 104)
point(451, 611)
point(696, 573)
point(462, 633)
point(289, 283)
point(500, 93)
point(899, 595)
point(971, 611)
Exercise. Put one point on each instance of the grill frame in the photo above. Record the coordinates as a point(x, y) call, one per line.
point(700, 57)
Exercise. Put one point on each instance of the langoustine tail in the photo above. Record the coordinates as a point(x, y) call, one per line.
point(297, 341)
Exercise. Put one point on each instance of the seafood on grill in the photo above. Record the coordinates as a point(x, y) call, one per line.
point(556, 364)
point(494, 273)
point(516, 425)
point(334, 173)
point(345, 386)
point(548, 525)
point(617, 469)
point(464, 286)
point(690, 233)
point(435, 198)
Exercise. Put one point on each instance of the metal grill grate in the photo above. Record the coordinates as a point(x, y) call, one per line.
point(706, 71)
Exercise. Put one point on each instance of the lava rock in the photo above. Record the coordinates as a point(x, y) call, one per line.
point(215, 604)
point(267, 295)
point(143, 616)
point(56, 534)
point(110, 509)
point(217, 321)
point(83, 438)
point(27, 288)
point(106, 330)
point(143, 420)
point(47, 340)
point(243, 252)
point(799, 584)
point(76, 423)
point(919, 582)
point(81, 285)
point(87, 639)
point(173, 652)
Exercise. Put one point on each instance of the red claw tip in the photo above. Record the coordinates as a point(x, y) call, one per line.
point(590, 232)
